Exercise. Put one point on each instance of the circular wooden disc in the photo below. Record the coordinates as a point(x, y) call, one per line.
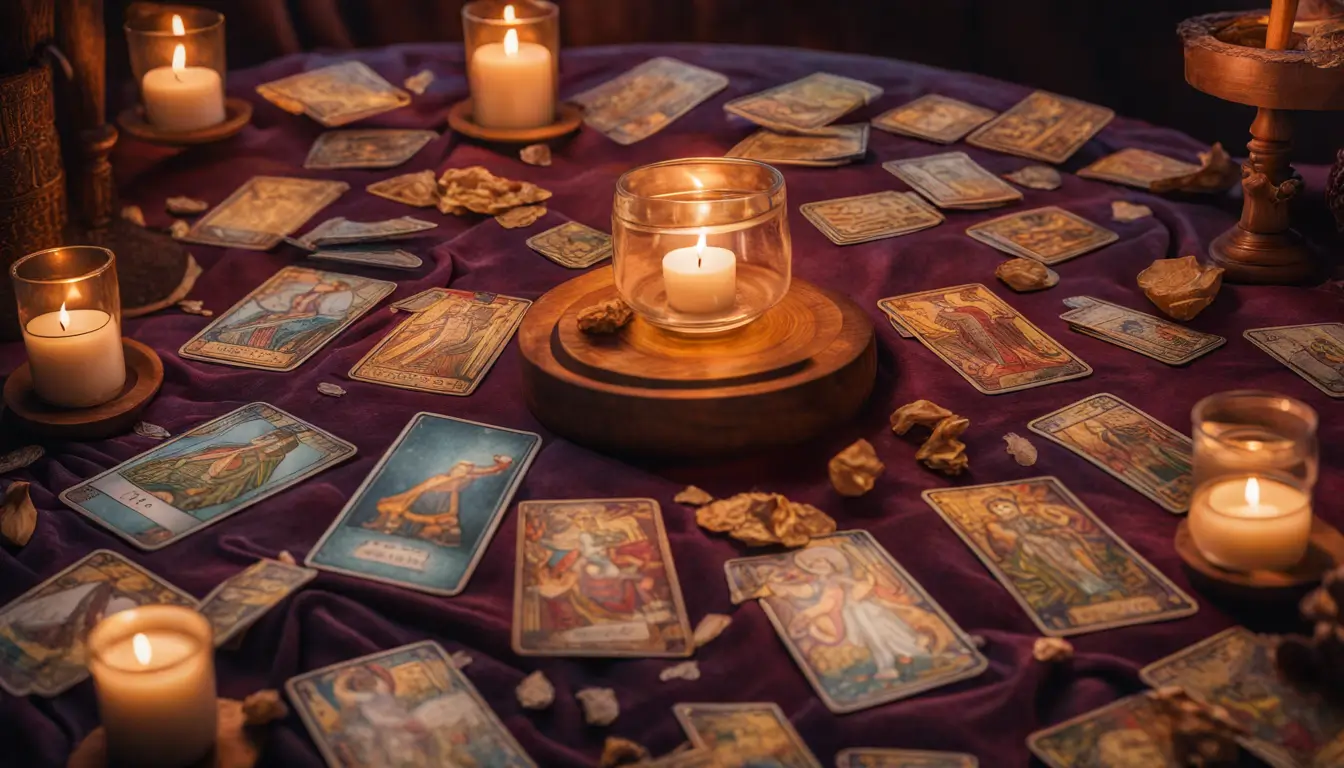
point(1324, 553)
point(237, 114)
point(804, 366)
point(568, 119)
point(234, 746)
point(144, 376)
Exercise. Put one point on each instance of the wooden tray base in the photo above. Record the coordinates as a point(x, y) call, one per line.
point(804, 366)
point(568, 119)
point(236, 747)
point(237, 114)
point(24, 409)
point(1325, 553)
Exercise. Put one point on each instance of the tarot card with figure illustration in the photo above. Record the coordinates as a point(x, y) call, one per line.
point(1137, 168)
point(206, 474)
point(335, 95)
point(595, 578)
point(804, 105)
point(425, 514)
point(1126, 443)
point(286, 319)
point(1315, 352)
point(864, 218)
point(953, 180)
point(446, 348)
point(374, 148)
point(745, 735)
point(989, 343)
point(43, 631)
point(648, 98)
point(934, 118)
point(241, 599)
point(261, 212)
point(824, 147)
point(1068, 571)
point(1235, 670)
point(409, 707)
point(1043, 126)
point(1159, 339)
point(1049, 235)
point(572, 245)
point(879, 637)
point(903, 758)
point(1129, 732)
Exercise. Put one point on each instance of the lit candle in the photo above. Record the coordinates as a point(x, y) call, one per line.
point(182, 98)
point(1251, 523)
point(701, 279)
point(75, 356)
point(512, 83)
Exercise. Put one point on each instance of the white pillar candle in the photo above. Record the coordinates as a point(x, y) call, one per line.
point(1251, 523)
point(512, 83)
point(76, 357)
point(700, 280)
point(182, 98)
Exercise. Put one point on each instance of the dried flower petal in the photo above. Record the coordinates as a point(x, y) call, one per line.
point(1125, 211)
point(152, 431)
point(20, 458)
point(599, 706)
point(286, 558)
point(133, 214)
point(179, 229)
point(535, 691)
point(522, 216)
point(925, 413)
point(605, 317)
point(618, 751)
point(943, 452)
point(264, 707)
point(1021, 449)
point(536, 154)
point(854, 470)
point(185, 206)
point(1052, 649)
point(1182, 287)
point(692, 497)
point(478, 190)
point(1035, 177)
point(419, 82)
point(761, 519)
point(1217, 174)
point(18, 516)
point(461, 659)
point(194, 307)
point(686, 670)
point(710, 628)
point(1026, 275)
point(331, 390)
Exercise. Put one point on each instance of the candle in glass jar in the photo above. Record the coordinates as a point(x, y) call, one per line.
point(701, 279)
point(1251, 523)
point(76, 357)
point(182, 98)
point(512, 83)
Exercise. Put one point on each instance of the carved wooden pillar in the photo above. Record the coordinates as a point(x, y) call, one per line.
point(90, 137)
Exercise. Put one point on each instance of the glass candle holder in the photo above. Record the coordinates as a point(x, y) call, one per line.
point(513, 62)
point(177, 58)
point(1252, 522)
point(154, 672)
point(1248, 431)
point(70, 313)
point(701, 245)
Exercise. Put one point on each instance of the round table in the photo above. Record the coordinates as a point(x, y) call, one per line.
point(337, 618)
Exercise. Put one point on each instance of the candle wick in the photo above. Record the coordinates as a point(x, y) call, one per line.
point(177, 75)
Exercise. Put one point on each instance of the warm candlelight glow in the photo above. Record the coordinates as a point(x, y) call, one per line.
point(511, 43)
point(178, 29)
point(140, 643)
point(700, 250)
point(1253, 492)
point(179, 59)
point(509, 15)
point(63, 317)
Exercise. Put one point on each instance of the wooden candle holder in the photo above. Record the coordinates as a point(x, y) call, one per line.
point(238, 743)
point(24, 409)
point(1324, 553)
point(237, 114)
point(568, 119)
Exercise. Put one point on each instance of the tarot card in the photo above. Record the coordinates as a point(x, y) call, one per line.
point(42, 632)
point(864, 218)
point(241, 599)
point(1049, 235)
point(446, 348)
point(1235, 670)
point(824, 147)
point(206, 474)
point(900, 330)
point(953, 180)
point(646, 99)
point(262, 211)
point(934, 118)
point(419, 189)
point(685, 758)
point(572, 245)
point(425, 514)
point(742, 735)
point(1137, 168)
point(993, 347)
point(286, 319)
point(1314, 351)
point(903, 758)
point(804, 105)
point(595, 578)
point(409, 706)
point(1068, 571)
point(1128, 732)
point(885, 639)
point(1043, 126)
point(390, 258)
point(342, 231)
point(335, 95)
point(374, 148)
point(1148, 335)
point(421, 301)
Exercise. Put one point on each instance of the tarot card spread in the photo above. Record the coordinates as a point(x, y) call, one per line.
point(903, 758)
point(953, 180)
point(595, 578)
point(378, 148)
point(335, 95)
point(934, 118)
point(425, 514)
point(409, 706)
point(804, 105)
point(1143, 333)
point(1314, 352)
point(1137, 168)
point(286, 320)
point(572, 245)
point(864, 218)
point(1235, 670)
point(993, 347)
point(1127, 444)
point(240, 600)
point(823, 148)
point(742, 735)
point(1068, 571)
point(1130, 732)
point(262, 211)
point(447, 347)
point(1043, 126)
point(879, 638)
point(203, 476)
point(647, 99)
point(42, 632)
point(1049, 235)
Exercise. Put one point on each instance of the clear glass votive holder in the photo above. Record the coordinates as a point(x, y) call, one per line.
point(1252, 521)
point(177, 59)
point(1247, 431)
point(701, 244)
point(70, 313)
point(513, 62)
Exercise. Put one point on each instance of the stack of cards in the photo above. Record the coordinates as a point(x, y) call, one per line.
point(1137, 168)
point(335, 95)
point(572, 245)
point(954, 180)
point(1043, 126)
point(861, 219)
point(934, 118)
point(804, 105)
point(1049, 235)
point(1314, 351)
point(823, 148)
point(647, 99)
point(378, 148)
point(352, 242)
point(262, 211)
point(903, 758)
point(741, 735)
point(1148, 335)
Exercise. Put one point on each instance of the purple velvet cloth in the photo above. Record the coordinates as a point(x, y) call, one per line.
point(337, 618)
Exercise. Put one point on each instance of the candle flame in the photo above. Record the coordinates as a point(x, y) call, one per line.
point(64, 317)
point(179, 58)
point(509, 15)
point(178, 29)
point(140, 644)
point(1253, 492)
point(511, 43)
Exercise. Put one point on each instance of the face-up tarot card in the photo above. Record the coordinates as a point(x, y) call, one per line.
point(1314, 352)
point(43, 631)
point(203, 476)
point(745, 735)
point(934, 118)
point(286, 319)
point(953, 180)
point(262, 211)
point(992, 346)
point(595, 578)
point(1049, 235)
point(419, 189)
point(425, 514)
point(1066, 569)
point(335, 95)
point(446, 348)
point(376, 148)
point(1128, 444)
point(1148, 335)
point(1235, 670)
point(1137, 168)
point(409, 706)
point(903, 758)
point(824, 147)
point(685, 758)
point(1043, 126)
point(804, 105)
point(864, 218)
point(241, 599)
point(647, 99)
point(1130, 732)
point(572, 245)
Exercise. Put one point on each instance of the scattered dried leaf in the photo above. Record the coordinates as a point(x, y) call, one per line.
point(693, 497)
point(18, 516)
point(265, 706)
point(331, 390)
point(1021, 449)
point(1035, 177)
point(855, 470)
point(133, 214)
point(761, 519)
point(710, 628)
point(978, 641)
point(478, 190)
point(686, 670)
point(618, 751)
point(1026, 275)
point(1217, 174)
point(460, 659)
point(20, 458)
point(194, 307)
point(180, 205)
point(522, 216)
point(179, 229)
point(925, 413)
point(943, 452)
point(599, 706)
point(418, 189)
point(152, 431)
point(536, 154)
point(1182, 287)
point(1124, 211)
point(605, 317)
point(1052, 649)
point(419, 82)
point(286, 558)
point(535, 691)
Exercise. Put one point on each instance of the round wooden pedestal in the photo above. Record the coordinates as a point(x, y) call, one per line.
point(807, 364)
point(1324, 554)
point(144, 376)
point(568, 119)
point(237, 114)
